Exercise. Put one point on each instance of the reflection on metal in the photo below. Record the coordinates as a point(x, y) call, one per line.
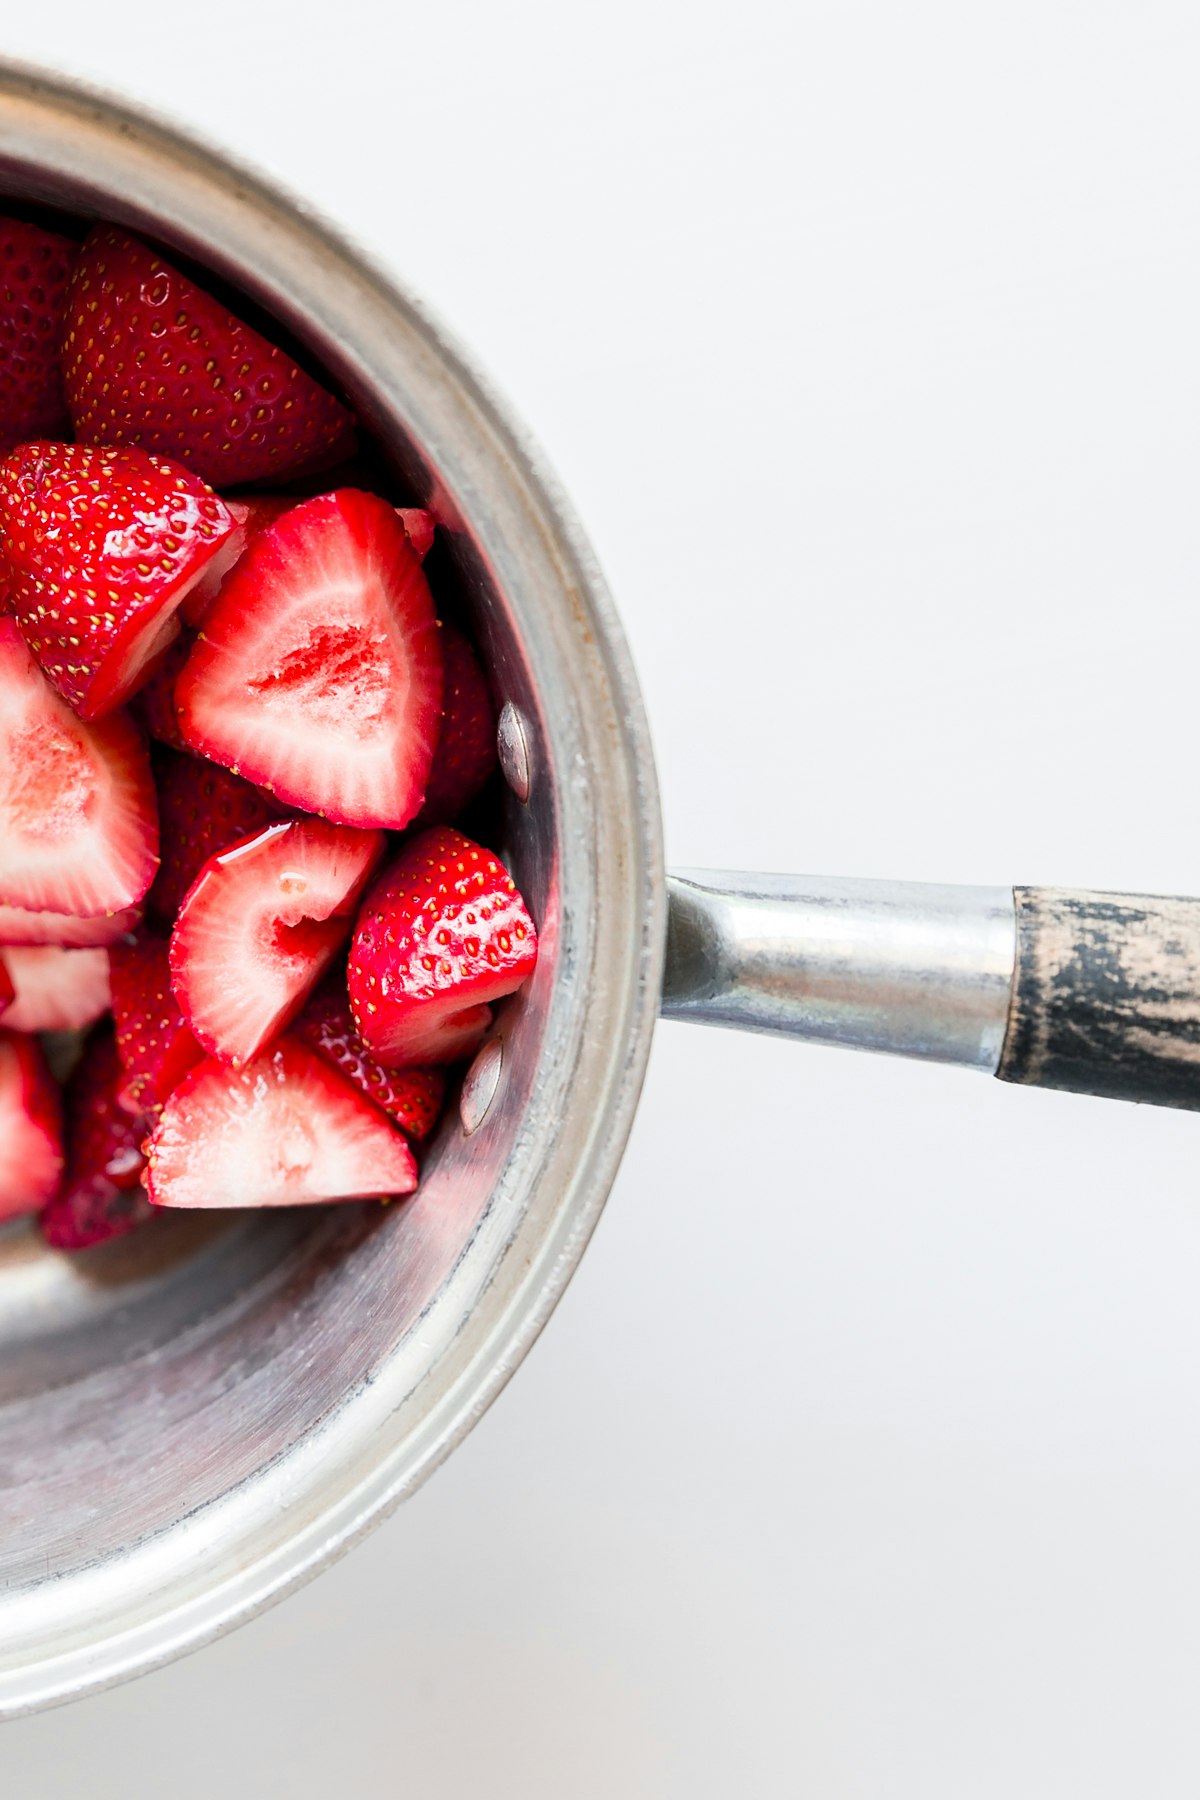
point(512, 747)
point(479, 1087)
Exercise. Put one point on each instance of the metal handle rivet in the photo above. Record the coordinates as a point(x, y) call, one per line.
point(480, 1086)
point(513, 750)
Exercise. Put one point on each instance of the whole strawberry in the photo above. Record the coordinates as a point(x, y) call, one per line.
point(150, 359)
point(100, 548)
point(466, 750)
point(35, 268)
point(441, 935)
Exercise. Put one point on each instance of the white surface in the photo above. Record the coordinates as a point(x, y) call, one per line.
point(862, 1459)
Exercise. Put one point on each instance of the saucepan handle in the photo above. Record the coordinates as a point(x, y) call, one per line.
point(1097, 993)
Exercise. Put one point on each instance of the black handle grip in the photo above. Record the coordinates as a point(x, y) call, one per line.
point(1106, 996)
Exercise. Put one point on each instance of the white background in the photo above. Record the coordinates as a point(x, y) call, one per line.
point(862, 1458)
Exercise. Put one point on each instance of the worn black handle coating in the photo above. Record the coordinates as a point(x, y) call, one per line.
point(1106, 996)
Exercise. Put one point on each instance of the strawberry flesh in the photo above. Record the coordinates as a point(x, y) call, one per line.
point(78, 821)
point(100, 1196)
point(101, 545)
point(31, 1152)
point(203, 809)
point(286, 1130)
point(35, 270)
point(441, 936)
point(419, 525)
point(151, 359)
point(154, 1041)
point(19, 926)
point(154, 702)
point(56, 990)
point(251, 515)
point(466, 751)
point(260, 925)
point(318, 674)
point(412, 1097)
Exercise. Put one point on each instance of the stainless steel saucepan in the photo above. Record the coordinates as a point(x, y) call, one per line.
point(195, 1421)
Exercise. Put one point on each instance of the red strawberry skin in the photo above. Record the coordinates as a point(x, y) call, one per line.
point(318, 674)
point(154, 1042)
point(412, 1097)
point(154, 702)
point(150, 359)
point(56, 990)
point(441, 935)
point(8, 992)
point(100, 547)
point(35, 270)
point(466, 752)
point(203, 809)
point(100, 1196)
point(78, 819)
point(252, 514)
point(31, 1153)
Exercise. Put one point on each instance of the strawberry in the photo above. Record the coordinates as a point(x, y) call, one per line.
point(78, 822)
point(419, 525)
point(154, 703)
point(31, 1155)
point(286, 1130)
point(441, 935)
point(151, 359)
point(8, 992)
point(35, 268)
point(250, 515)
point(202, 809)
point(56, 990)
point(319, 673)
point(17, 926)
point(153, 1040)
point(413, 1097)
point(100, 548)
point(100, 1196)
point(261, 923)
point(466, 751)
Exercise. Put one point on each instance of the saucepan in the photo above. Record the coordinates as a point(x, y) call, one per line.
point(197, 1419)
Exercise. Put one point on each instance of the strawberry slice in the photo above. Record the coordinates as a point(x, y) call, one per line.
point(100, 548)
point(17, 926)
point(419, 525)
point(466, 752)
point(413, 1097)
point(262, 922)
point(78, 822)
point(442, 935)
point(35, 269)
point(251, 515)
point(203, 809)
point(154, 1042)
point(287, 1130)
point(56, 990)
point(100, 1196)
point(151, 359)
point(31, 1155)
point(318, 674)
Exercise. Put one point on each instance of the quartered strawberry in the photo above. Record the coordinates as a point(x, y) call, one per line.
point(56, 990)
point(250, 516)
point(100, 547)
point(154, 1042)
point(35, 268)
point(202, 809)
point(31, 1153)
point(441, 935)
point(419, 525)
point(318, 674)
point(78, 821)
point(286, 1130)
point(18, 926)
point(466, 751)
point(100, 1196)
point(260, 925)
point(150, 359)
point(413, 1097)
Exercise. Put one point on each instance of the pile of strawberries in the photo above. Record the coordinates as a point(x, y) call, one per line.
point(216, 713)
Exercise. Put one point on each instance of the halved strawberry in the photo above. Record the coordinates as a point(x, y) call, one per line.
point(441, 935)
point(287, 1130)
point(35, 268)
point(151, 359)
point(100, 547)
point(413, 1097)
point(100, 1196)
point(18, 926)
point(419, 525)
point(56, 990)
point(31, 1155)
point(202, 809)
point(154, 1041)
point(466, 752)
point(251, 515)
point(78, 822)
point(259, 927)
point(318, 674)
